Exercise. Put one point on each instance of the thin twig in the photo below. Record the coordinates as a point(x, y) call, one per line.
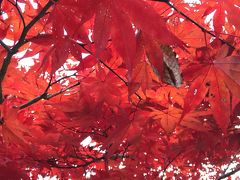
point(20, 42)
point(169, 163)
point(49, 96)
point(74, 130)
point(19, 11)
point(5, 46)
point(52, 162)
point(45, 96)
point(116, 74)
point(228, 174)
point(73, 166)
point(110, 69)
point(232, 160)
point(62, 78)
point(194, 22)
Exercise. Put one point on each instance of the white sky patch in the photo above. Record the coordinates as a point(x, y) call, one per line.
point(193, 1)
point(209, 19)
point(121, 165)
point(86, 141)
point(4, 16)
point(27, 62)
point(35, 5)
point(47, 178)
point(209, 171)
point(8, 42)
point(89, 173)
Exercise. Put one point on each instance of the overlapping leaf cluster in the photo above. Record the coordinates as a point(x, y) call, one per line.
point(124, 89)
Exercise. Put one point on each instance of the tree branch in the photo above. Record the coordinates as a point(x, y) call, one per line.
point(228, 174)
point(74, 166)
point(20, 42)
point(46, 96)
point(19, 11)
point(194, 22)
point(229, 164)
point(49, 96)
point(62, 78)
point(169, 163)
point(232, 160)
point(110, 69)
point(52, 162)
point(33, 101)
point(5, 46)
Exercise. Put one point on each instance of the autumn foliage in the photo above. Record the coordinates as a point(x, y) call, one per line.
point(119, 89)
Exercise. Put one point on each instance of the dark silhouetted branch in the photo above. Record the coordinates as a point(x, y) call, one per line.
point(228, 174)
point(110, 69)
point(20, 42)
point(49, 96)
point(194, 22)
point(19, 11)
point(5, 46)
point(46, 96)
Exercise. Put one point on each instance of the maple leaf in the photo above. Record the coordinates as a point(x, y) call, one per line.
point(211, 85)
point(102, 20)
point(194, 120)
point(143, 77)
point(122, 126)
point(219, 15)
point(108, 15)
point(152, 49)
point(215, 86)
point(60, 49)
point(170, 112)
point(12, 129)
point(168, 117)
point(158, 62)
point(80, 112)
point(156, 27)
point(230, 72)
point(130, 107)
